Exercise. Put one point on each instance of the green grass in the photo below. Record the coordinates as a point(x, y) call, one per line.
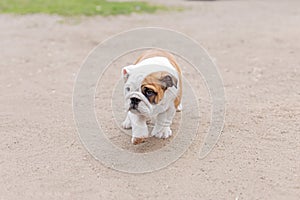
point(76, 7)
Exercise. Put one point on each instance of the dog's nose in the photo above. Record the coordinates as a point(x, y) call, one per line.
point(135, 100)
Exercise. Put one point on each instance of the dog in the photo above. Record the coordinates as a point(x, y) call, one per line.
point(153, 91)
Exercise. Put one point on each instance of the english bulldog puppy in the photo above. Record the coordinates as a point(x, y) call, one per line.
point(152, 90)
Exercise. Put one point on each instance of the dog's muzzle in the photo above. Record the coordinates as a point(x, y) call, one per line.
point(138, 103)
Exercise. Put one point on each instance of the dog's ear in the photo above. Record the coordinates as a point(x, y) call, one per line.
point(168, 81)
point(125, 73)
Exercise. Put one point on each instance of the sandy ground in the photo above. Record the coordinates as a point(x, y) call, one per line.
point(254, 43)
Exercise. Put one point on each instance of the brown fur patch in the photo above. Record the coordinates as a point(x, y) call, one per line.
point(150, 80)
point(152, 99)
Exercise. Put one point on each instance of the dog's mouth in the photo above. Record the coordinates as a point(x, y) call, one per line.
point(135, 111)
point(133, 107)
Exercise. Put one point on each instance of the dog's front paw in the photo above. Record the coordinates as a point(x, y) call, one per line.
point(135, 140)
point(165, 132)
point(126, 124)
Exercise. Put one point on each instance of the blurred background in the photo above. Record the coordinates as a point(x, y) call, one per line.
point(255, 45)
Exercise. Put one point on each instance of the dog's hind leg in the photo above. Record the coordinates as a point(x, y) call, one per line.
point(179, 108)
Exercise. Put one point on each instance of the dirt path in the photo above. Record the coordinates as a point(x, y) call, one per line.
point(255, 44)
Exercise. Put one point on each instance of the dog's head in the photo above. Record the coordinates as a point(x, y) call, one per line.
point(146, 92)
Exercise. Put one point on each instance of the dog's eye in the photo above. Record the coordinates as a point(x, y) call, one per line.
point(127, 89)
point(149, 93)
